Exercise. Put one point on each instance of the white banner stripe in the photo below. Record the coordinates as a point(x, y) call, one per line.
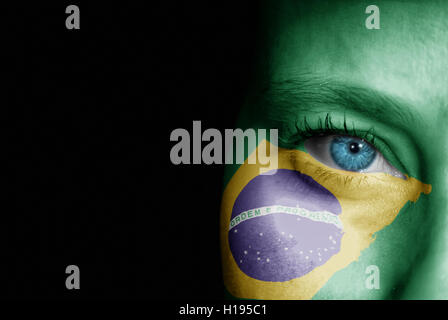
point(321, 216)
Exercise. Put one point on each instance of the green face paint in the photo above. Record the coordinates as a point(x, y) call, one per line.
point(322, 72)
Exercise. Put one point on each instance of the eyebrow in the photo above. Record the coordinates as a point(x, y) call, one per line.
point(282, 100)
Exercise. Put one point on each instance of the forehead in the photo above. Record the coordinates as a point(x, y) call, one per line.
point(406, 58)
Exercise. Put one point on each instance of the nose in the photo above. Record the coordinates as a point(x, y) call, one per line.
point(428, 278)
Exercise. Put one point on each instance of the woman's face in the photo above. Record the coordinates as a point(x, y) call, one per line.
point(358, 207)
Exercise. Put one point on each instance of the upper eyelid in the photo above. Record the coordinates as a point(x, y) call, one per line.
point(359, 134)
point(327, 127)
point(328, 123)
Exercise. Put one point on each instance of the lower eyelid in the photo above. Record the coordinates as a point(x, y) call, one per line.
point(343, 183)
point(324, 174)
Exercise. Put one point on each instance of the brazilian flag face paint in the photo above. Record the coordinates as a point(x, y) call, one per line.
point(284, 235)
point(361, 178)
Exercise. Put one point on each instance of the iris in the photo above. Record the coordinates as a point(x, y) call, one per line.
point(351, 153)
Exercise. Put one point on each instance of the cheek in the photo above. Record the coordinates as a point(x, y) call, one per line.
point(283, 226)
point(275, 228)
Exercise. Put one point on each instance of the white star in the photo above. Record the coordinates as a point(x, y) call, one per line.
point(245, 252)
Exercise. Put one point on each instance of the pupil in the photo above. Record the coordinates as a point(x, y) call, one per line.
point(354, 147)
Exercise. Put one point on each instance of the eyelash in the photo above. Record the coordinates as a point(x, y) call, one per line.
point(325, 127)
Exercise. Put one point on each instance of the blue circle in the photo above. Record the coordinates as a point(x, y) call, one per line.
point(352, 154)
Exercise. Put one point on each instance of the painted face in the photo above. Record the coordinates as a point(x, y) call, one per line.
point(357, 208)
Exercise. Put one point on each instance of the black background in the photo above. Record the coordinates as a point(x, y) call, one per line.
point(87, 123)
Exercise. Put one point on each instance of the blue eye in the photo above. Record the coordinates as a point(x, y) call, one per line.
point(351, 153)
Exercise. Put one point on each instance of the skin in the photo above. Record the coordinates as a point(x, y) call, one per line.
point(326, 41)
